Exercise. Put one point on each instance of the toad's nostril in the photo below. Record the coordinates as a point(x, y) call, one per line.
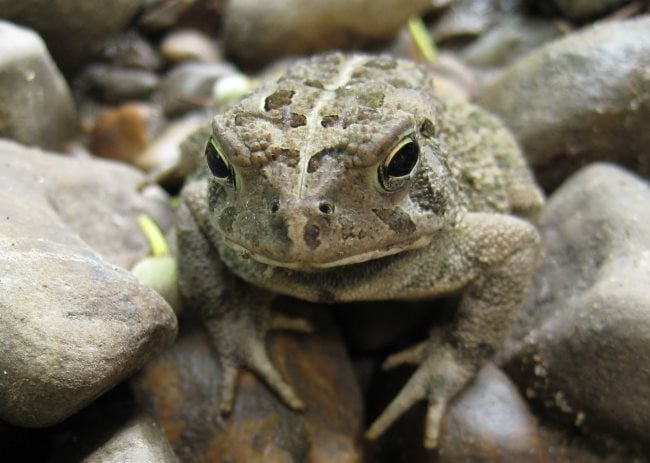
point(326, 208)
point(311, 235)
point(275, 207)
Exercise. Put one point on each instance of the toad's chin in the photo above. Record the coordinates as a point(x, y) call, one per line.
point(324, 265)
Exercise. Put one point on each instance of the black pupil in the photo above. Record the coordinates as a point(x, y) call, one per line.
point(404, 160)
point(216, 163)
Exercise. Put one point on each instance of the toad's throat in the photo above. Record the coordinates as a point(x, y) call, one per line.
point(318, 265)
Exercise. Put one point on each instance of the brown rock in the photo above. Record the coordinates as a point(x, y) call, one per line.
point(123, 132)
point(181, 388)
point(256, 32)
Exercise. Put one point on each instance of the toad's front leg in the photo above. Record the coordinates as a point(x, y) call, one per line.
point(490, 258)
point(236, 315)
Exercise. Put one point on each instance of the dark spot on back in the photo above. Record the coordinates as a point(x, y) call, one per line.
point(371, 99)
point(297, 120)
point(227, 218)
point(329, 121)
point(399, 83)
point(278, 99)
point(315, 83)
point(381, 62)
point(316, 160)
point(396, 219)
point(288, 157)
point(311, 234)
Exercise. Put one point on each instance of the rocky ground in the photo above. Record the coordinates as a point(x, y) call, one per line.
point(96, 366)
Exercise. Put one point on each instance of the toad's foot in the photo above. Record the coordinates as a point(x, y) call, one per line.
point(440, 375)
point(240, 343)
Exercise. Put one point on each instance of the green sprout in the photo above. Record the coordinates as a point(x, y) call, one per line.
point(422, 39)
point(154, 236)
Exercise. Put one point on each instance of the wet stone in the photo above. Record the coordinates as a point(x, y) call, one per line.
point(74, 322)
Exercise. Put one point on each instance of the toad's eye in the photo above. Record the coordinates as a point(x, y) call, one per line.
point(217, 161)
point(399, 166)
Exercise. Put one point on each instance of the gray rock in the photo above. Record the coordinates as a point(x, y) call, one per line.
point(490, 422)
point(74, 324)
point(131, 50)
point(189, 85)
point(139, 439)
point(257, 32)
point(115, 85)
point(579, 99)
point(72, 29)
point(164, 14)
point(36, 107)
point(582, 347)
point(512, 36)
point(584, 9)
point(466, 18)
point(487, 422)
point(112, 429)
point(96, 199)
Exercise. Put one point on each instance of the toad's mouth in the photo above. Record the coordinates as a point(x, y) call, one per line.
point(323, 265)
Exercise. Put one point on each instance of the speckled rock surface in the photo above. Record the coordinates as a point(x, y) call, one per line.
point(256, 32)
point(74, 323)
point(72, 29)
point(36, 106)
point(582, 98)
point(582, 348)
